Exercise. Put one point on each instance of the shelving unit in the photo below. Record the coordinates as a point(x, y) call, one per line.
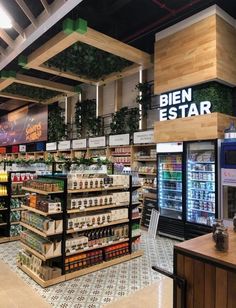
point(102, 231)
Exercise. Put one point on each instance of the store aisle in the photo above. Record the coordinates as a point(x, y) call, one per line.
point(96, 289)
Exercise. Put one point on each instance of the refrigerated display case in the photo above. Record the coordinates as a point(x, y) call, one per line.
point(170, 185)
point(170, 189)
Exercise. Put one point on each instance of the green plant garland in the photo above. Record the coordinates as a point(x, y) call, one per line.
point(87, 61)
point(31, 92)
point(87, 123)
point(125, 121)
point(56, 123)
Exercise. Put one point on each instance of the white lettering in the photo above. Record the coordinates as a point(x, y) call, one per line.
point(172, 113)
point(163, 100)
point(183, 108)
point(163, 114)
point(176, 98)
point(193, 111)
point(205, 107)
point(170, 99)
point(186, 95)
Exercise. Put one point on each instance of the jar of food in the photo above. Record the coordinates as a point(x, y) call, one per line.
point(222, 239)
point(217, 223)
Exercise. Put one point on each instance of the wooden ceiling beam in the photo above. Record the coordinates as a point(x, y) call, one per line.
point(45, 5)
point(128, 71)
point(113, 46)
point(6, 38)
point(57, 72)
point(44, 84)
point(27, 12)
point(51, 48)
point(18, 97)
point(5, 83)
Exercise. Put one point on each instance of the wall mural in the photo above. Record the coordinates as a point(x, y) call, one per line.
point(25, 125)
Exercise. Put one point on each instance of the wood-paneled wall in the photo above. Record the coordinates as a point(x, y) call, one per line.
point(225, 51)
point(201, 52)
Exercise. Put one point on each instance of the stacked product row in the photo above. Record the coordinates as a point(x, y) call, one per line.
point(84, 220)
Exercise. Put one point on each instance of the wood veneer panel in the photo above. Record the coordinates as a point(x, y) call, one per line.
point(231, 290)
point(180, 273)
point(203, 127)
point(199, 284)
point(226, 51)
point(210, 282)
point(186, 57)
point(221, 288)
point(189, 276)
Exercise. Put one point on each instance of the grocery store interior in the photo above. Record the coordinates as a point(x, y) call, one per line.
point(117, 153)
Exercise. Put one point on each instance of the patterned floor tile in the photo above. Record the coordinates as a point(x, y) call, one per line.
point(105, 286)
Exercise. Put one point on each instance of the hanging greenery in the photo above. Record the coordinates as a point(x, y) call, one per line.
point(220, 96)
point(56, 123)
point(144, 97)
point(31, 92)
point(125, 121)
point(87, 123)
point(87, 61)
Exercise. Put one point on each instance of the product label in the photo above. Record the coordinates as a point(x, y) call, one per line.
point(144, 137)
point(79, 144)
point(228, 177)
point(22, 148)
point(122, 139)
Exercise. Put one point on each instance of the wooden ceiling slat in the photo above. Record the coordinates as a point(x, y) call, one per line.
point(6, 38)
point(27, 12)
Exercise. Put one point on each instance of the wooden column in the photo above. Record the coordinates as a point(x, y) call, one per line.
point(100, 101)
point(144, 119)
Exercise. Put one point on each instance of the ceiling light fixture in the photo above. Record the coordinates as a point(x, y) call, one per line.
point(5, 20)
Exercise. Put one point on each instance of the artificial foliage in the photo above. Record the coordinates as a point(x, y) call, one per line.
point(31, 92)
point(87, 123)
point(87, 61)
point(125, 121)
point(220, 96)
point(56, 123)
point(144, 96)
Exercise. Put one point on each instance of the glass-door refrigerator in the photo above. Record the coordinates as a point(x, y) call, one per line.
point(170, 189)
point(201, 187)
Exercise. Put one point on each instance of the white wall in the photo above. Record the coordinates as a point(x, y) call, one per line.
point(128, 91)
point(108, 98)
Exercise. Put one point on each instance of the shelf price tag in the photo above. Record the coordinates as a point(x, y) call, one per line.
point(122, 139)
point(144, 137)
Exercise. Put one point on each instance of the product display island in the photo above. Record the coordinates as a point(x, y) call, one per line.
point(210, 274)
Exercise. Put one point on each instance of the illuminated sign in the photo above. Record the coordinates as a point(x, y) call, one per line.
point(178, 104)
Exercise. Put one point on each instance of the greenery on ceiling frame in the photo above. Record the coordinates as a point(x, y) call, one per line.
point(57, 129)
point(87, 61)
point(87, 124)
point(31, 92)
point(125, 120)
point(144, 96)
point(220, 96)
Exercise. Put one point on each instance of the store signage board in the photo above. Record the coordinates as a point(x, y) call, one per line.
point(228, 177)
point(64, 145)
point(97, 142)
point(178, 104)
point(92, 169)
point(122, 139)
point(51, 146)
point(144, 137)
point(22, 148)
point(170, 147)
point(79, 144)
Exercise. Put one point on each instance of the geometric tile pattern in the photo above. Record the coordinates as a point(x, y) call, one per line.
point(98, 288)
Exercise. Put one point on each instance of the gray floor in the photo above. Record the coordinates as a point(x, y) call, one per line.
point(96, 289)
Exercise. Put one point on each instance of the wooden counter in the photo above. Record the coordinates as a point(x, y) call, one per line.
point(210, 274)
